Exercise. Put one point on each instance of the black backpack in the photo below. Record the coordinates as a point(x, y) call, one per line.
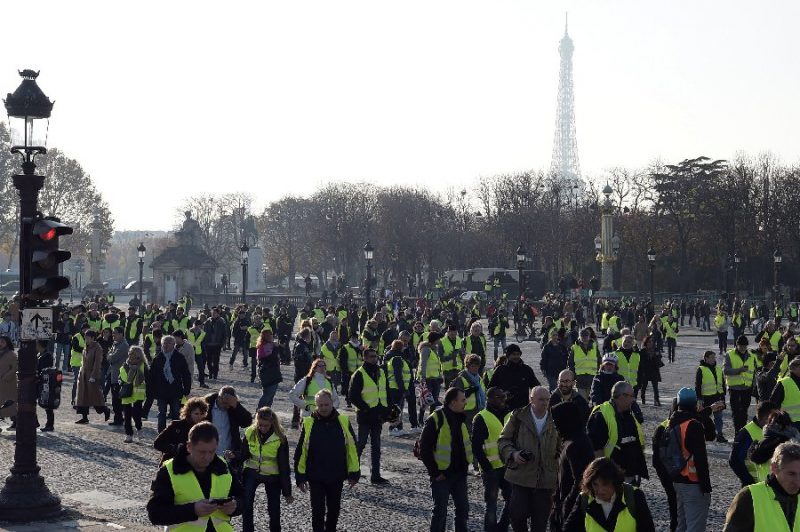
point(669, 451)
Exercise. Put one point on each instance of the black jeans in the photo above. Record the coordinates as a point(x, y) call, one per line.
point(369, 427)
point(494, 483)
point(116, 403)
point(722, 339)
point(671, 349)
point(346, 387)
point(133, 412)
point(740, 403)
point(530, 503)
point(212, 354)
point(272, 487)
point(643, 387)
point(200, 361)
point(454, 486)
point(236, 348)
point(326, 503)
point(252, 354)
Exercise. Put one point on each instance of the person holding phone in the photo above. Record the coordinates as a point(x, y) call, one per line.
point(196, 490)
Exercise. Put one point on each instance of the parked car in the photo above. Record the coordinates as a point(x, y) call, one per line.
point(469, 295)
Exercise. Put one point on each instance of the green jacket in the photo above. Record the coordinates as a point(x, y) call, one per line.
point(519, 434)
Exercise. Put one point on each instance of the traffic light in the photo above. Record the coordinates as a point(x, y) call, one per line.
point(45, 258)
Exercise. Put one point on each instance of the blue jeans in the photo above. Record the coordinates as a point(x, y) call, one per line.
point(66, 350)
point(718, 422)
point(272, 487)
point(267, 396)
point(456, 487)
point(174, 411)
point(494, 483)
point(75, 372)
point(497, 342)
point(370, 428)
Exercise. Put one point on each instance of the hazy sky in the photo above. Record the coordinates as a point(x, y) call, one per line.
point(159, 100)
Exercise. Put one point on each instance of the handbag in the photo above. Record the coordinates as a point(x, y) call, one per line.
point(126, 388)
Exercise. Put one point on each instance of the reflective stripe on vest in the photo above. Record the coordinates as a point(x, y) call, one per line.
point(767, 512)
point(354, 358)
point(444, 441)
point(187, 490)
point(745, 378)
point(494, 427)
point(758, 471)
point(263, 456)
point(451, 355)
point(629, 368)
point(76, 357)
point(330, 359)
point(585, 363)
point(610, 417)
point(373, 393)
point(468, 344)
point(709, 386)
point(196, 340)
point(351, 453)
point(390, 374)
point(433, 368)
point(791, 398)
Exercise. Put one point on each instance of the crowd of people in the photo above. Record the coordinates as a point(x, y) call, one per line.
point(568, 452)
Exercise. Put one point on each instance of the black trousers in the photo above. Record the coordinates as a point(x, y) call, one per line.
point(200, 361)
point(116, 403)
point(740, 403)
point(326, 503)
point(213, 352)
point(252, 352)
point(370, 429)
point(530, 503)
point(133, 416)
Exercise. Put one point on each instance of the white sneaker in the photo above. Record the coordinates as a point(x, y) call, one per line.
point(396, 432)
point(128, 439)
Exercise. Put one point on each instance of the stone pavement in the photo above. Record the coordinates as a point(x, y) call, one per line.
point(105, 483)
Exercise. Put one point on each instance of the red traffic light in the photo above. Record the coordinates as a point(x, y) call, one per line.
point(48, 235)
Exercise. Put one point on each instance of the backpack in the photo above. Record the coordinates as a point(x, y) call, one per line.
point(669, 451)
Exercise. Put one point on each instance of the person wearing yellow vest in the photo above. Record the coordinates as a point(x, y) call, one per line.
point(196, 336)
point(584, 361)
point(305, 389)
point(629, 362)
point(325, 457)
point(768, 505)
point(369, 394)
point(787, 393)
point(399, 383)
point(486, 428)
point(133, 327)
point(78, 346)
point(195, 491)
point(452, 358)
point(709, 386)
point(265, 458)
point(603, 485)
point(497, 330)
point(774, 335)
point(350, 359)
point(253, 333)
point(616, 433)
point(429, 371)
point(671, 336)
point(469, 380)
point(329, 352)
point(446, 451)
point(748, 471)
point(132, 376)
point(739, 370)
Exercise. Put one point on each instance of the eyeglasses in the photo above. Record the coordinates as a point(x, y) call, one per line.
point(566, 381)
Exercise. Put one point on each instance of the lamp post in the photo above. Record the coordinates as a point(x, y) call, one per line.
point(777, 259)
point(521, 257)
point(368, 254)
point(224, 281)
point(736, 260)
point(142, 252)
point(24, 493)
point(609, 242)
point(245, 253)
point(651, 259)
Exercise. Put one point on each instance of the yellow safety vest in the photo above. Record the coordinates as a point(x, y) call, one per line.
point(372, 393)
point(263, 456)
point(75, 356)
point(745, 378)
point(494, 427)
point(451, 356)
point(767, 511)
point(585, 363)
point(196, 340)
point(138, 390)
point(753, 313)
point(719, 321)
point(775, 340)
point(629, 368)
point(671, 330)
point(604, 321)
point(187, 490)
point(433, 368)
point(312, 387)
point(392, 383)
point(254, 333)
point(94, 324)
point(472, 400)
point(468, 341)
point(709, 386)
point(610, 417)
point(330, 358)
point(791, 398)
point(180, 324)
point(444, 441)
point(625, 521)
point(758, 471)
point(354, 358)
point(351, 454)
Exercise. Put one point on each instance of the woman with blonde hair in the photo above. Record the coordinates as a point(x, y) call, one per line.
point(265, 456)
point(302, 395)
point(132, 378)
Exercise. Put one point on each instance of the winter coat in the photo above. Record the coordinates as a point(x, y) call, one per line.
point(91, 393)
point(601, 386)
point(576, 454)
point(649, 366)
point(8, 381)
point(519, 434)
point(157, 386)
point(554, 359)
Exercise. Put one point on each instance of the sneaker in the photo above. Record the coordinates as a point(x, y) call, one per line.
point(721, 439)
point(128, 439)
point(46, 428)
point(396, 432)
point(107, 413)
point(379, 481)
point(82, 421)
point(204, 385)
point(115, 423)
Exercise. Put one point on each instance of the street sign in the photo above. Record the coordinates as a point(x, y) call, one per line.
point(37, 323)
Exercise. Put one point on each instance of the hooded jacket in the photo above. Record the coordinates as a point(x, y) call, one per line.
point(576, 454)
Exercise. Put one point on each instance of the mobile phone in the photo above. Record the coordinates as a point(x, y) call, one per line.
point(220, 502)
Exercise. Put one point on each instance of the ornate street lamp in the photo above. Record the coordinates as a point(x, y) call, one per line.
point(142, 252)
point(522, 256)
point(651, 259)
point(245, 249)
point(777, 259)
point(368, 254)
point(736, 260)
point(24, 493)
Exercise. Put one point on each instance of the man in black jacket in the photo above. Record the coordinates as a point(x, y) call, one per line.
point(367, 387)
point(566, 393)
point(515, 377)
point(493, 470)
point(169, 381)
point(576, 454)
point(195, 464)
point(216, 333)
point(228, 415)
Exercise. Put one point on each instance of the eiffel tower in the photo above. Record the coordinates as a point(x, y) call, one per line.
point(564, 167)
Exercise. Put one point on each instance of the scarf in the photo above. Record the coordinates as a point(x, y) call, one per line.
point(480, 394)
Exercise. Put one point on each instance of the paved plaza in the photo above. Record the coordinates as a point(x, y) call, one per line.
point(104, 483)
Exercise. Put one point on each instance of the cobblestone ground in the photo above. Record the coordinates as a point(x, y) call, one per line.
point(97, 474)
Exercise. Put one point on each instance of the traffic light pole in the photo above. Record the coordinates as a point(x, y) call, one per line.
point(24, 493)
